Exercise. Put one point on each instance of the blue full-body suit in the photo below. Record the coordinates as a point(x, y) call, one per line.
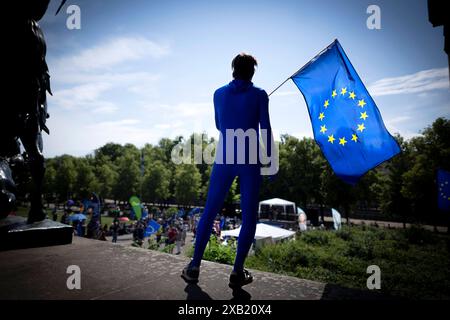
point(238, 105)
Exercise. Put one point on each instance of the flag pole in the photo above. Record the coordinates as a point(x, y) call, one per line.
point(280, 85)
point(307, 64)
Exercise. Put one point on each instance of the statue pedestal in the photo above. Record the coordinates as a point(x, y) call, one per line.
point(16, 233)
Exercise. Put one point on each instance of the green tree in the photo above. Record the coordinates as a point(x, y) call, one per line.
point(187, 183)
point(66, 176)
point(156, 182)
point(430, 152)
point(50, 179)
point(86, 181)
point(393, 202)
point(107, 178)
point(111, 151)
point(128, 177)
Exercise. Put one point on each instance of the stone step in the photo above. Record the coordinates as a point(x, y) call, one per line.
point(111, 271)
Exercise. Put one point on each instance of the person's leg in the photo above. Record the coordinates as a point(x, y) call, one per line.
point(221, 179)
point(250, 181)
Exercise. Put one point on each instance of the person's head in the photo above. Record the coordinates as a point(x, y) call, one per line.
point(243, 66)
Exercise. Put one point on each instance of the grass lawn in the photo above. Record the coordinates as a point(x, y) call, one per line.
point(414, 263)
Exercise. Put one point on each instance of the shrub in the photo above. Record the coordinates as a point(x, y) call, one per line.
point(169, 248)
point(218, 252)
point(417, 235)
point(316, 237)
point(344, 233)
point(152, 244)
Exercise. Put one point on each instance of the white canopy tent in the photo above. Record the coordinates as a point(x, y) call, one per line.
point(263, 231)
point(278, 202)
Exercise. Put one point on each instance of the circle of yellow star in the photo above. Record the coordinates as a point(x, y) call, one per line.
point(361, 127)
point(331, 139)
point(326, 104)
point(361, 103)
point(334, 94)
point(352, 95)
point(342, 141)
point(343, 91)
point(321, 116)
point(323, 129)
point(354, 137)
point(364, 115)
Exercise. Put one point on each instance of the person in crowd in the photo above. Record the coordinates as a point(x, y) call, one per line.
point(158, 234)
point(178, 239)
point(81, 228)
point(172, 235)
point(65, 217)
point(55, 213)
point(103, 233)
point(115, 230)
point(184, 234)
point(138, 233)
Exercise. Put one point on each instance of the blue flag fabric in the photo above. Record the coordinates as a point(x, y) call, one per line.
point(443, 190)
point(152, 227)
point(346, 122)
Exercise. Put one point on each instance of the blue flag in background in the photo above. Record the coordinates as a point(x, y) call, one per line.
point(346, 122)
point(443, 190)
point(152, 227)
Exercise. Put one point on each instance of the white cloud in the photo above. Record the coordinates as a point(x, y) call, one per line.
point(85, 82)
point(117, 124)
point(97, 95)
point(112, 53)
point(419, 82)
point(399, 119)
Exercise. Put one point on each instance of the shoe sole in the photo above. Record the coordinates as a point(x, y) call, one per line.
point(189, 280)
point(238, 285)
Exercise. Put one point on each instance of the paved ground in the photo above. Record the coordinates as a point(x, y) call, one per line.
point(113, 271)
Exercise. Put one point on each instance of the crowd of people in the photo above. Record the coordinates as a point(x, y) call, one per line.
point(170, 231)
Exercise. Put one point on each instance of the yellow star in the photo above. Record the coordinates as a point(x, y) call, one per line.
point(334, 94)
point(354, 137)
point(342, 141)
point(361, 103)
point(331, 139)
point(352, 95)
point(361, 127)
point(321, 116)
point(323, 129)
point(326, 104)
point(364, 115)
point(343, 91)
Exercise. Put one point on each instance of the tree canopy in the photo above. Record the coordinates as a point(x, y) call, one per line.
point(403, 187)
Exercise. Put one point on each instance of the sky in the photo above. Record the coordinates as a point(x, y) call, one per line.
point(141, 70)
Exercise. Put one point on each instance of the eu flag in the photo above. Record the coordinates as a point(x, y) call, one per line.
point(347, 124)
point(443, 190)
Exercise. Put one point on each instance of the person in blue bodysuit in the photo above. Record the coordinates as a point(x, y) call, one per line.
point(239, 107)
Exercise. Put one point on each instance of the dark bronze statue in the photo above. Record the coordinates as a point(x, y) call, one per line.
point(25, 119)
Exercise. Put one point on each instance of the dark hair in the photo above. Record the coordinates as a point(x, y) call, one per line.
point(243, 66)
